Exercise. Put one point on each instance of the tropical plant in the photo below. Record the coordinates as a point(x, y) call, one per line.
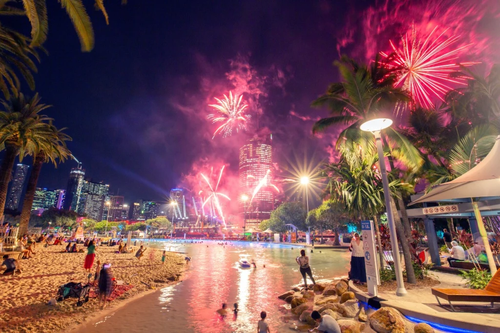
point(329, 215)
point(159, 223)
point(476, 278)
point(50, 147)
point(22, 129)
point(287, 213)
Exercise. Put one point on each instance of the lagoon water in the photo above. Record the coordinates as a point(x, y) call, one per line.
point(214, 277)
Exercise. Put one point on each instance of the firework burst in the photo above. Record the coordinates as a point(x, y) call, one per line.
point(213, 197)
point(264, 182)
point(231, 112)
point(424, 67)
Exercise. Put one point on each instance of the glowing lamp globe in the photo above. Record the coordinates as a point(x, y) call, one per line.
point(304, 180)
point(376, 125)
point(244, 197)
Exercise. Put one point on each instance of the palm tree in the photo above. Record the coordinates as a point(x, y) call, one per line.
point(22, 129)
point(52, 148)
point(36, 12)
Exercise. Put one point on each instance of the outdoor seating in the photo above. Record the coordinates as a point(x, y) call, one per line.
point(489, 294)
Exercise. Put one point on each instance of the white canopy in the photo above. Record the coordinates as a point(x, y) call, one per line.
point(482, 181)
point(268, 231)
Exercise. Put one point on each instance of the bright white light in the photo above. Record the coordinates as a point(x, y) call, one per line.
point(173, 203)
point(376, 124)
point(244, 197)
point(304, 180)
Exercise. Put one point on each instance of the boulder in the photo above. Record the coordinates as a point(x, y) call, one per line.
point(301, 308)
point(350, 326)
point(289, 299)
point(308, 294)
point(285, 295)
point(423, 328)
point(362, 315)
point(297, 301)
point(347, 296)
point(328, 299)
point(331, 313)
point(351, 308)
point(319, 287)
point(335, 307)
point(387, 320)
point(305, 317)
point(341, 287)
point(296, 289)
point(329, 290)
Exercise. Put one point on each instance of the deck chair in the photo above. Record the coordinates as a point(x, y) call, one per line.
point(489, 294)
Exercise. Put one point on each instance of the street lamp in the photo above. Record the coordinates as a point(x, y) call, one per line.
point(244, 198)
point(304, 180)
point(173, 203)
point(375, 126)
point(107, 216)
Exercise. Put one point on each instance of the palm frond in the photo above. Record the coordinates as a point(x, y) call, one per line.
point(36, 11)
point(81, 21)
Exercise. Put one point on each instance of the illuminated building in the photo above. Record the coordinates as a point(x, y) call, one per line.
point(17, 187)
point(74, 189)
point(255, 163)
point(178, 210)
point(149, 209)
point(45, 199)
point(92, 199)
point(116, 208)
point(135, 212)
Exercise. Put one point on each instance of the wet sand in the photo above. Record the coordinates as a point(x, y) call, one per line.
point(24, 297)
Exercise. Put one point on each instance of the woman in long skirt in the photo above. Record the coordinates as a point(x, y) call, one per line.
point(105, 284)
point(358, 272)
point(89, 258)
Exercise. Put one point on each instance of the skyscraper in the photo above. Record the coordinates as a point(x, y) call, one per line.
point(92, 199)
point(74, 189)
point(17, 187)
point(255, 165)
point(116, 208)
point(46, 199)
point(135, 212)
point(149, 209)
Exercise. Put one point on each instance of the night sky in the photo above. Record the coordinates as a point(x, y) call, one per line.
point(136, 105)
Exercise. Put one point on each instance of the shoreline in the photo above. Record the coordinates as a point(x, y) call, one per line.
point(24, 298)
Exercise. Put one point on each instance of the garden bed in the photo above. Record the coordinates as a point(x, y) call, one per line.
point(425, 283)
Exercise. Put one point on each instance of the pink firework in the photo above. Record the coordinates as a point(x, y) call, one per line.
point(230, 111)
point(424, 68)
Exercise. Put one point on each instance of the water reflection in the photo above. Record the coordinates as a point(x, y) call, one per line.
point(214, 277)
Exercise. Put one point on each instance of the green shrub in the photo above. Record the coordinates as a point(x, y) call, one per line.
point(421, 270)
point(387, 274)
point(476, 279)
point(443, 249)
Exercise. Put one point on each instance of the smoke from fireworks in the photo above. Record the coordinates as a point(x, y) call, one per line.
point(213, 197)
point(424, 66)
point(230, 113)
point(264, 182)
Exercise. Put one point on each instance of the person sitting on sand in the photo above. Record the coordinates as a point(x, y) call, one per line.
point(105, 284)
point(68, 247)
point(120, 247)
point(223, 311)
point(11, 265)
point(27, 252)
point(140, 252)
point(74, 248)
point(327, 324)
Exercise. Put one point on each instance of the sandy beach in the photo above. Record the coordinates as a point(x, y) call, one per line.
point(24, 297)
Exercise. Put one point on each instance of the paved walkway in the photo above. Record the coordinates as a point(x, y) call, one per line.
point(421, 304)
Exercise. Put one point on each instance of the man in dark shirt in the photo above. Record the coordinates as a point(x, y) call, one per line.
point(10, 265)
point(447, 238)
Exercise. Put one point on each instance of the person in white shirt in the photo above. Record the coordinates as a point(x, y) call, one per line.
point(327, 324)
point(456, 252)
point(358, 271)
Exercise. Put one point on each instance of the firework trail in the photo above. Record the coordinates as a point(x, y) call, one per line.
point(265, 181)
point(213, 198)
point(424, 67)
point(231, 112)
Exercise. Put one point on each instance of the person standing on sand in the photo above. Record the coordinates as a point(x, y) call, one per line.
point(89, 258)
point(164, 255)
point(303, 262)
point(358, 271)
point(140, 252)
point(105, 284)
point(262, 326)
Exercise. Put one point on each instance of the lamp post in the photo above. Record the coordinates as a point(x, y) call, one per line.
point(304, 180)
point(107, 216)
point(173, 203)
point(375, 126)
point(244, 198)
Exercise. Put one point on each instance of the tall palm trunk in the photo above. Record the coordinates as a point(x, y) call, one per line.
point(30, 194)
point(6, 173)
point(410, 273)
point(379, 241)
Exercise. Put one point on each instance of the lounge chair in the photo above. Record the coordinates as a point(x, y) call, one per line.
point(489, 294)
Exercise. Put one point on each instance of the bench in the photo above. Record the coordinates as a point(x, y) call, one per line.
point(490, 294)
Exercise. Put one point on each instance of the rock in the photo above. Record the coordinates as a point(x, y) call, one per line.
point(351, 308)
point(341, 287)
point(350, 326)
point(362, 315)
point(319, 287)
point(334, 307)
point(328, 299)
point(347, 296)
point(301, 308)
point(387, 320)
point(329, 290)
point(308, 294)
point(423, 328)
point(289, 299)
point(305, 317)
point(331, 313)
point(297, 301)
point(285, 295)
point(296, 289)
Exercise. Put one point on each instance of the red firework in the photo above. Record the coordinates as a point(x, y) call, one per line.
point(425, 68)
